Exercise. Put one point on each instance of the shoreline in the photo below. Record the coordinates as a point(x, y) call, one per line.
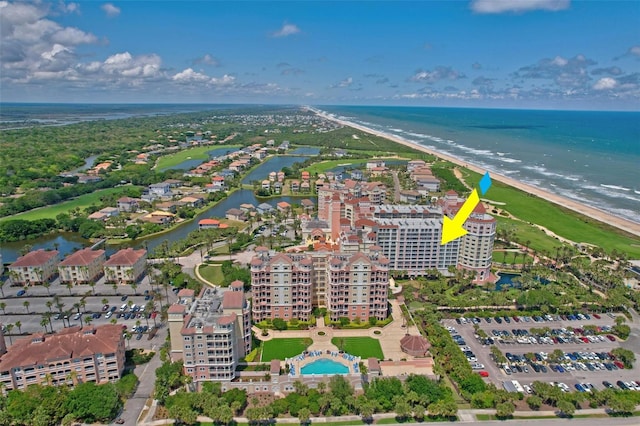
point(591, 212)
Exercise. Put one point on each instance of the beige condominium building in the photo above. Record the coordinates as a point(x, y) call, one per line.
point(210, 333)
point(289, 286)
point(126, 266)
point(73, 355)
point(82, 267)
point(35, 267)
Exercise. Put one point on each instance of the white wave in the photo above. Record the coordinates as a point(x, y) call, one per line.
point(509, 160)
point(502, 154)
point(396, 130)
point(609, 193)
point(543, 171)
point(417, 135)
point(637, 192)
point(621, 188)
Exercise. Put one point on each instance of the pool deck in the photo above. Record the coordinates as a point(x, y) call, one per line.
point(302, 360)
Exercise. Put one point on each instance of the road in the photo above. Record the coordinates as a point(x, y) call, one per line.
point(146, 374)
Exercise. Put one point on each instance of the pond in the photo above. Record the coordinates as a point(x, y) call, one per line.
point(274, 164)
point(305, 150)
point(507, 280)
point(195, 162)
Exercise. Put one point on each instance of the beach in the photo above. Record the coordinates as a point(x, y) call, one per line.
point(594, 213)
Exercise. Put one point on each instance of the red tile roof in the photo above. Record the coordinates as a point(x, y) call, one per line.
point(34, 258)
point(233, 300)
point(69, 343)
point(177, 309)
point(209, 222)
point(186, 292)
point(82, 257)
point(237, 284)
point(125, 257)
point(230, 319)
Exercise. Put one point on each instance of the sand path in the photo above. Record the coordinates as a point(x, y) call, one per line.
point(597, 214)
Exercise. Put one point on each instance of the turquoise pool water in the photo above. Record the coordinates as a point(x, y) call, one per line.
point(325, 366)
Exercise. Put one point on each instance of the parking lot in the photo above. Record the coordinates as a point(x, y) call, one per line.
point(31, 316)
point(585, 361)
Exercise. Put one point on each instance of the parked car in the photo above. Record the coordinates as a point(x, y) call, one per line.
point(21, 293)
point(483, 373)
point(123, 298)
point(105, 308)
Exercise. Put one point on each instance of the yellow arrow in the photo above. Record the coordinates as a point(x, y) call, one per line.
point(452, 228)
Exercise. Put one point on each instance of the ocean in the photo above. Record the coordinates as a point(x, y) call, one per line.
point(588, 156)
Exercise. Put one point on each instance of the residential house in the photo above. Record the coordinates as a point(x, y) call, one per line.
point(35, 267)
point(208, 224)
point(266, 184)
point(264, 208)
point(295, 185)
point(236, 214)
point(159, 217)
point(104, 214)
point(192, 201)
point(82, 267)
point(126, 266)
point(283, 206)
point(128, 204)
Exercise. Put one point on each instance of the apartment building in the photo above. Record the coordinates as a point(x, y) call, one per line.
point(82, 267)
point(35, 267)
point(476, 247)
point(73, 355)
point(288, 286)
point(126, 266)
point(211, 333)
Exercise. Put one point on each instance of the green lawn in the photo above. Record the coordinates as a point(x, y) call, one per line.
point(200, 152)
point(364, 347)
point(212, 273)
point(559, 220)
point(498, 256)
point(83, 201)
point(284, 348)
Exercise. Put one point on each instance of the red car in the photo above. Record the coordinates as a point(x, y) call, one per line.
point(619, 365)
point(611, 338)
point(584, 339)
point(483, 373)
point(596, 316)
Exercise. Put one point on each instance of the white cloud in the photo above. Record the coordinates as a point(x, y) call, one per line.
point(635, 51)
point(189, 75)
point(605, 83)
point(73, 36)
point(111, 10)
point(437, 74)
point(347, 82)
point(518, 6)
point(69, 7)
point(286, 30)
point(224, 80)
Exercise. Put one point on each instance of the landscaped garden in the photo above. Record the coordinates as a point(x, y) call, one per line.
point(364, 347)
point(212, 273)
point(284, 348)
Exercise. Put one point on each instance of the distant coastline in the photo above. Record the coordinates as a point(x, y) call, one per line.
point(594, 213)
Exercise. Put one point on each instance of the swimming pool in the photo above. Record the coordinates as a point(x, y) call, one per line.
point(324, 366)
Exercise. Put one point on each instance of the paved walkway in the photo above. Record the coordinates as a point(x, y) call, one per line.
point(389, 336)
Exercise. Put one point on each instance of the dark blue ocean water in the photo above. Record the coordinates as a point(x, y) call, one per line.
point(589, 156)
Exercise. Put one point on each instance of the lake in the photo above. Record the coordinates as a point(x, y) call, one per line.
point(274, 164)
point(305, 150)
point(68, 242)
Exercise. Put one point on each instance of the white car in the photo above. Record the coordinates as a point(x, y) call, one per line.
point(564, 387)
point(527, 389)
point(477, 366)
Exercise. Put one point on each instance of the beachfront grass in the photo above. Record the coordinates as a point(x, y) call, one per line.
point(200, 152)
point(364, 347)
point(81, 202)
point(284, 348)
point(561, 221)
point(538, 239)
point(498, 256)
point(212, 273)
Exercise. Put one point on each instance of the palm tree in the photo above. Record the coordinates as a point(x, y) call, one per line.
point(3, 306)
point(9, 328)
point(93, 287)
point(46, 285)
point(19, 325)
point(69, 287)
point(76, 306)
point(88, 319)
point(128, 336)
point(105, 301)
point(26, 305)
point(134, 286)
point(43, 323)
point(115, 288)
point(47, 316)
point(2, 283)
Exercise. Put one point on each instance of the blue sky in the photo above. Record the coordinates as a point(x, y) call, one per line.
point(480, 53)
